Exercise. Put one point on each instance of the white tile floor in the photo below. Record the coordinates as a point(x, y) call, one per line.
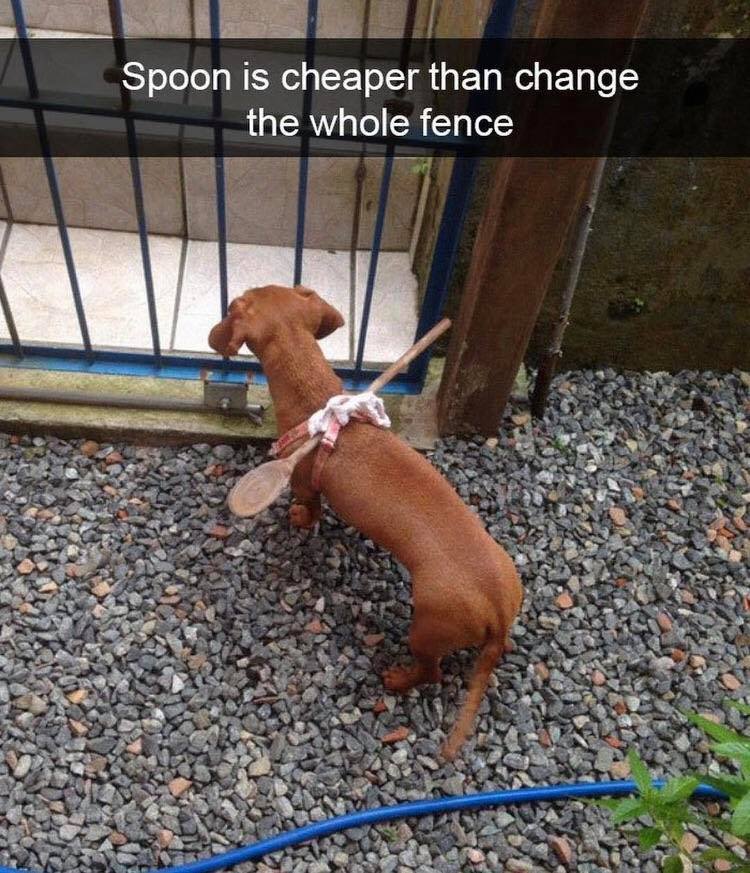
point(110, 276)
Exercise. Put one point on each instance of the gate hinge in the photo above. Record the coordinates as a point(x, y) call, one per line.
point(230, 398)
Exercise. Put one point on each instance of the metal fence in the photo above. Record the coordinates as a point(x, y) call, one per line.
point(160, 362)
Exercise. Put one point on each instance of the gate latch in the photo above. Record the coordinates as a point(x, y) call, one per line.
point(229, 398)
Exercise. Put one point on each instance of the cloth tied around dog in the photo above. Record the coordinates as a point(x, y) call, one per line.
point(344, 407)
point(337, 413)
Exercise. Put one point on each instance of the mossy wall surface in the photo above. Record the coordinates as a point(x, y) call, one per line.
point(665, 284)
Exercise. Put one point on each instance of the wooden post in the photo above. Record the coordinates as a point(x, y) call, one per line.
point(530, 207)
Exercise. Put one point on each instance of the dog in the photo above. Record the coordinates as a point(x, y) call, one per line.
point(466, 591)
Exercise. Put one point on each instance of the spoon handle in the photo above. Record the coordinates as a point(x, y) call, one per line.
point(419, 346)
point(303, 450)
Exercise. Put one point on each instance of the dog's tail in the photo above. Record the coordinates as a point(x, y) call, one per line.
point(485, 664)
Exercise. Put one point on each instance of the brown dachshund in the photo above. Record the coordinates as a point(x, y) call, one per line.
point(465, 588)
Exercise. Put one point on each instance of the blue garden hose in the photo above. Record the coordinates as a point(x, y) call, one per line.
point(414, 809)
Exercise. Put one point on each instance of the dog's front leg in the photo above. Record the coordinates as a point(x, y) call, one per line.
point(305, 510)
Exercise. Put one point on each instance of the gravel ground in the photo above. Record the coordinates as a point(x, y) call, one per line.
point(174, 682)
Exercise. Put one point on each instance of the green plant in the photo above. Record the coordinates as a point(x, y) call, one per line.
point(420, 167)
point(624, 306)
point(389, 834)
point(668, 813)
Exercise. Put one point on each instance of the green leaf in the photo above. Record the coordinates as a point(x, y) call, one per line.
point(676, 833)
point(732, 750)
point(609, 803)
point(628, 809)
point(744, 708)
point(717, 854)
point(718, 732)
point(732, 786)
point(678, 789)
point(641, 775)
point(672, 864)
point(648, 838)
point(741, 818)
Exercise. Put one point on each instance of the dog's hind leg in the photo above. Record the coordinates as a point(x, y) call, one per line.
point(426, 666)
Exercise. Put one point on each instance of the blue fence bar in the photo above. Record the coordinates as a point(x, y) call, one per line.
point(499, 25)
point(118, 39)
point(457, 202)
point(221, 188)
point(10, 322)
point(304, 155)
point(49, 166)
point(5, 303)
point(377, 236)
point(299, 240)
point(135, 171)
point(408, 33)
point(173, 366)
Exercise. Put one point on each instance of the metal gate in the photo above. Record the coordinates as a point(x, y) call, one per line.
point(89, 358)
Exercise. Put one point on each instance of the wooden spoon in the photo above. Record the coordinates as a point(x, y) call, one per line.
point(260, 487)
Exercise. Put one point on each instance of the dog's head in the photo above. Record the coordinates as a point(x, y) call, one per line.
point(261, 314)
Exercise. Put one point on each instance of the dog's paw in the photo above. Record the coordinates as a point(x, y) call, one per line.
point(449, 750)
point(302, 515)
point(399, 679)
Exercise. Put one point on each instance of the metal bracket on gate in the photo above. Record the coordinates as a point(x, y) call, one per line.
point(230, 397)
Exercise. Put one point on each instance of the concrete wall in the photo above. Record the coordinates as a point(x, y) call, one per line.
point(239, 18)
point(180, 194)
point(261, 202)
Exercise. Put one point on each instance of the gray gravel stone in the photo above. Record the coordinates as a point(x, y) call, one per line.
point(212, 713)
point(22, 767)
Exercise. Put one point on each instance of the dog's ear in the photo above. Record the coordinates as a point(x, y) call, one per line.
point(324, 318)
point(330, 319)
point(226, 337)
point(229, 335)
